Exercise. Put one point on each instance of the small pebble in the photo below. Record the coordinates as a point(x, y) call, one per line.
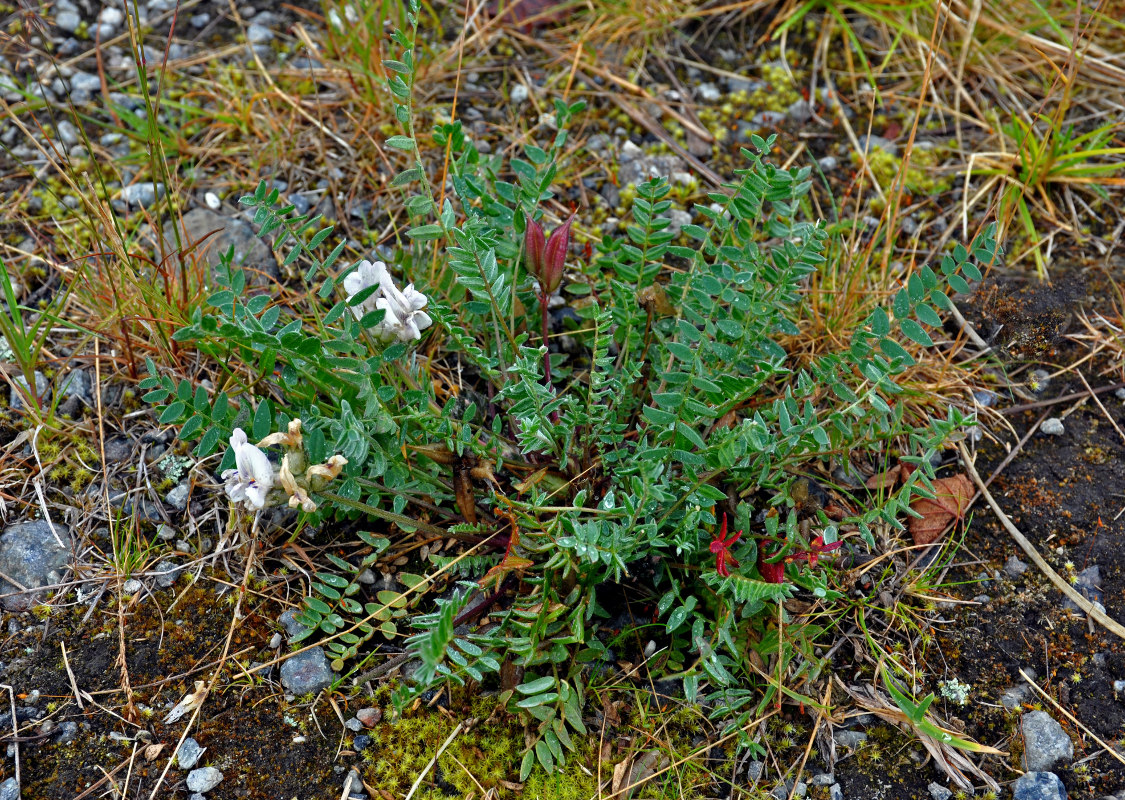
point(212, 200)
point(258, 34)
point(519, 94)
point(1052, 426)
point(939, 792)
point(370, 717)
point(353, 725)
point(188, 754)
point(1014, 567)
point(203, 779)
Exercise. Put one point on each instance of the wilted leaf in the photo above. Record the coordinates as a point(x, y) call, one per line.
point(952, 499)
point(152, 751)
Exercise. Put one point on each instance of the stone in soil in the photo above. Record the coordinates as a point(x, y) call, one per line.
point(1045, 742)
point(16, 395)
point(31, 554)
point(939, 792)
point(307, 672)
point(1014, 567)
point(249, 251)
point(1052, 426)
point(142, 194)
point(178, 497)
point(188, 754)
point(370, 717)
point(1038, 786)
point(849, 739)
point(168, 573)
point(203, 779)
point(9, 790)
point(288, 620)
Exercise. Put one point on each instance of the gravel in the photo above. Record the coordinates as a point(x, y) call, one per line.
point(1038, 786)
point(1013, 567)
point(1045, 742)
point(31, 554)
point(203, 779)
point(68, 21)
point(188, 754)
point(939, 792)
point(142, 194)
point(1052, 426)
point(307, 672)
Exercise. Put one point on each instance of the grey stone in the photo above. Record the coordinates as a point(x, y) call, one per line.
point(643, 167)
point(939, 792)
point(353, 725)
point(800, 111)
point(679, 220)
point(1014, 567)
point(1038, 786)
point(177, 498)
point(823, 779)
point(196, 796)
point(203, 779)
point(259, 34)
point(9, 790)
point(77, 384)
point(849, 739)
point(188, 754)
point(68, 134)
point(307, 672)
point(15, 397)
point(1014, 697)
point(519, 94)
point(68, 21)
point(1052, 426)
point(754, 770)
point(288, 620)
point(29, 553)
point(767, 119)
point(199, 21)
point(142, 194)
point(709, 92)
point(132, 586)
point(275, 641)
point(249, 251)
point(111, 16)
point(1088, 582)
point(68, 732)
point(168, 573)
point(1119, 686)
point(828, 163)
point(1045, 742)
point(835, 792)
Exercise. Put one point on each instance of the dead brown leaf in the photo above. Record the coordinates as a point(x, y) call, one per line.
point(953, 496)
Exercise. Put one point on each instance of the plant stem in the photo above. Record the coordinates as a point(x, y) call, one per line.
point(544, 297)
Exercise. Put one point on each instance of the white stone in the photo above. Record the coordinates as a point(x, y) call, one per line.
point(212, 200)
point(519, 94)
point(1052, 426)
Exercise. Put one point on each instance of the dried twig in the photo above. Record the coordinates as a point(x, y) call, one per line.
point(1091, 610)
point(1072, 718)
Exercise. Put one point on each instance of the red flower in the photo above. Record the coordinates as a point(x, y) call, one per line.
point(775, 572)
point(771, 573)
point(720, 546)
point(816, 549)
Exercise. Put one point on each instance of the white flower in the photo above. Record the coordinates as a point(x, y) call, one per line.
point(252, 478)
point(403, 317)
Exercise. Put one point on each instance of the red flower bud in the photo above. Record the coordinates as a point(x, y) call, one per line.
point(546, 259)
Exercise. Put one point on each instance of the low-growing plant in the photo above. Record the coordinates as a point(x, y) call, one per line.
point(662, 448)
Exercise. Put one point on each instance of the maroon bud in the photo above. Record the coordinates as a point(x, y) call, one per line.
point(534, 243)
point(545, 260)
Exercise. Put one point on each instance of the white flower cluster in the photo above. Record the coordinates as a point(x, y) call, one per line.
point(254, 477)
point(404, 318)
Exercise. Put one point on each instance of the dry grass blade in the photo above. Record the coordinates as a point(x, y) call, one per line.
point(952, 761)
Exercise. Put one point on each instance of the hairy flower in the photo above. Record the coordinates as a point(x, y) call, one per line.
point(252, 478)
point(403, 315)
point(720, 546)
point(546, 257)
